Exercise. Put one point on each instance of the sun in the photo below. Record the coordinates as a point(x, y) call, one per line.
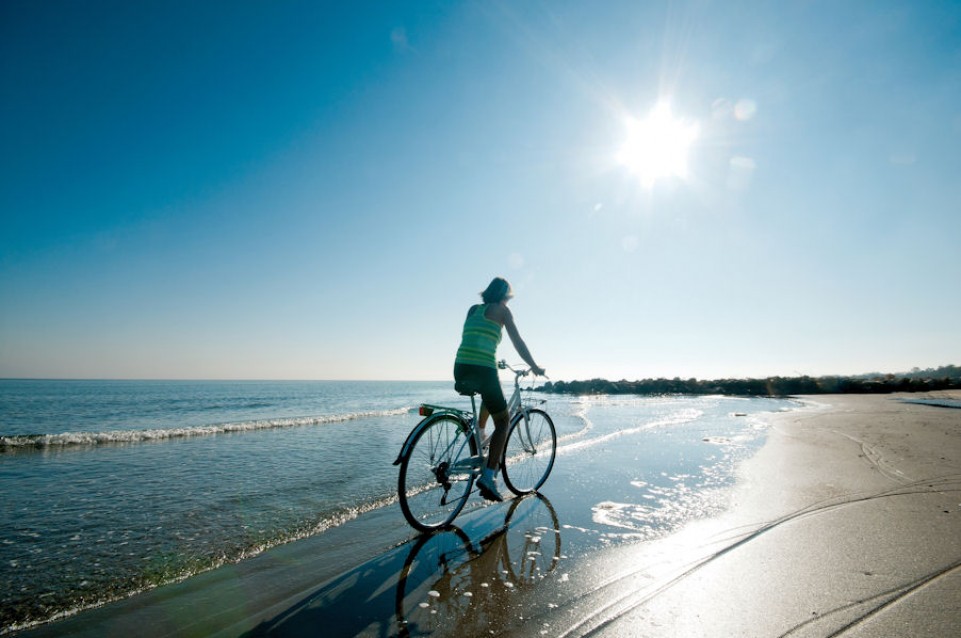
point(656, 147)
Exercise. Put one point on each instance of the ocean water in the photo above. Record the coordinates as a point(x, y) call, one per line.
point(112, 487)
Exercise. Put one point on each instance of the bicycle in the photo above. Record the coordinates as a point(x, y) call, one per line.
point(444, 454)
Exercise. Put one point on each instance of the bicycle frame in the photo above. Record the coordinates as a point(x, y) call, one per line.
point(515, 405)
point(469, 419)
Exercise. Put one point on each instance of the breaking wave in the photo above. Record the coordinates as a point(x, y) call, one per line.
point(76, 439)
point(682, 416)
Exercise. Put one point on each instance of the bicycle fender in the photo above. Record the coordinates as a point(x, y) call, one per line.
point(405, 449)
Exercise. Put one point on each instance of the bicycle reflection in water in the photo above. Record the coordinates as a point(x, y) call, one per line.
point(447, 583)
point(443, 583)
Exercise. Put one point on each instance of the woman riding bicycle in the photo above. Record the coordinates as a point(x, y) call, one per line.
point(475, 369)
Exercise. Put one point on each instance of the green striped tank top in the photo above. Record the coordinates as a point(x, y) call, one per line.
point(478, 345)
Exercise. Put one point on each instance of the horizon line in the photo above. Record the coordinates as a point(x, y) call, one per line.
point(304, 380)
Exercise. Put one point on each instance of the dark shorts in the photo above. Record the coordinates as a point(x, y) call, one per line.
point(485, 382)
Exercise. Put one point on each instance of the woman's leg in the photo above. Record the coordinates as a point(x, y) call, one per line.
point(482, 418)
point(501, 422)
point(493, 396)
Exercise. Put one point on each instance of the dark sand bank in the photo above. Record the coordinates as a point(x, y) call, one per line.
point(847, 522)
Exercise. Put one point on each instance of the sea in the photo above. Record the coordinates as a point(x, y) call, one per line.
point(110, 488)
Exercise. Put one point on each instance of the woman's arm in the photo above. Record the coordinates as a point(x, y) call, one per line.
point(503, 315)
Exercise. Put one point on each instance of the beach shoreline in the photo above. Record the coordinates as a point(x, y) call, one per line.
point(846, 522)
point(847, 519)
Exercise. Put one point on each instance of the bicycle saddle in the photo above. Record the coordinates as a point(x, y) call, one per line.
point(466, 388)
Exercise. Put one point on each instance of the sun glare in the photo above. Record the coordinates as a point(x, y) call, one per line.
point(657, 146)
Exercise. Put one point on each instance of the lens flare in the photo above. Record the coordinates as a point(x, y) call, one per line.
point(657, 147)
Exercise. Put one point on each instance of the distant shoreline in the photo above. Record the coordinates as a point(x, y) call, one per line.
point(943, 378)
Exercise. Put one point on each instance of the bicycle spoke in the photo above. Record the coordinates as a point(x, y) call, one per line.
point(435, 481)
point(529, 454)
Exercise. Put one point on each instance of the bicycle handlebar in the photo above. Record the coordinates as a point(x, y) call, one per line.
point(503, 365)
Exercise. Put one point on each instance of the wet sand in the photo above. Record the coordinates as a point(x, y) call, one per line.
point(847, 522)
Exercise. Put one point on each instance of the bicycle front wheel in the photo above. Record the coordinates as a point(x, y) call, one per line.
point(437, 473)
point(529, 453)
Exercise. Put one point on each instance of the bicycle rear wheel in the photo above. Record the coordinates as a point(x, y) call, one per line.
point(437, 473)
point(529, 453)
point(437, 563)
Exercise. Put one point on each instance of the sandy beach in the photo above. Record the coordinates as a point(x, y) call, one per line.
point(846, 522)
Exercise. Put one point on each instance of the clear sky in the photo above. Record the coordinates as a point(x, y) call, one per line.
point(319, 190)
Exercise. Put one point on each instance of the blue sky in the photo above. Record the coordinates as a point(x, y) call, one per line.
point(309, 190)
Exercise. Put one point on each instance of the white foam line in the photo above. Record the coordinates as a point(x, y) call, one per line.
point(66, 439)
point(579, 413)
point(684, 416)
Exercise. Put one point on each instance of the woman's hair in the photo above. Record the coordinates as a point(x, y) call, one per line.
point(497, 291)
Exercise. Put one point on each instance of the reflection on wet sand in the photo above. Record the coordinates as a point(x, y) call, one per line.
point(460, 577)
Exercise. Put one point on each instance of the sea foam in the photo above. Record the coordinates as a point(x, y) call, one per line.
point(69, 439)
